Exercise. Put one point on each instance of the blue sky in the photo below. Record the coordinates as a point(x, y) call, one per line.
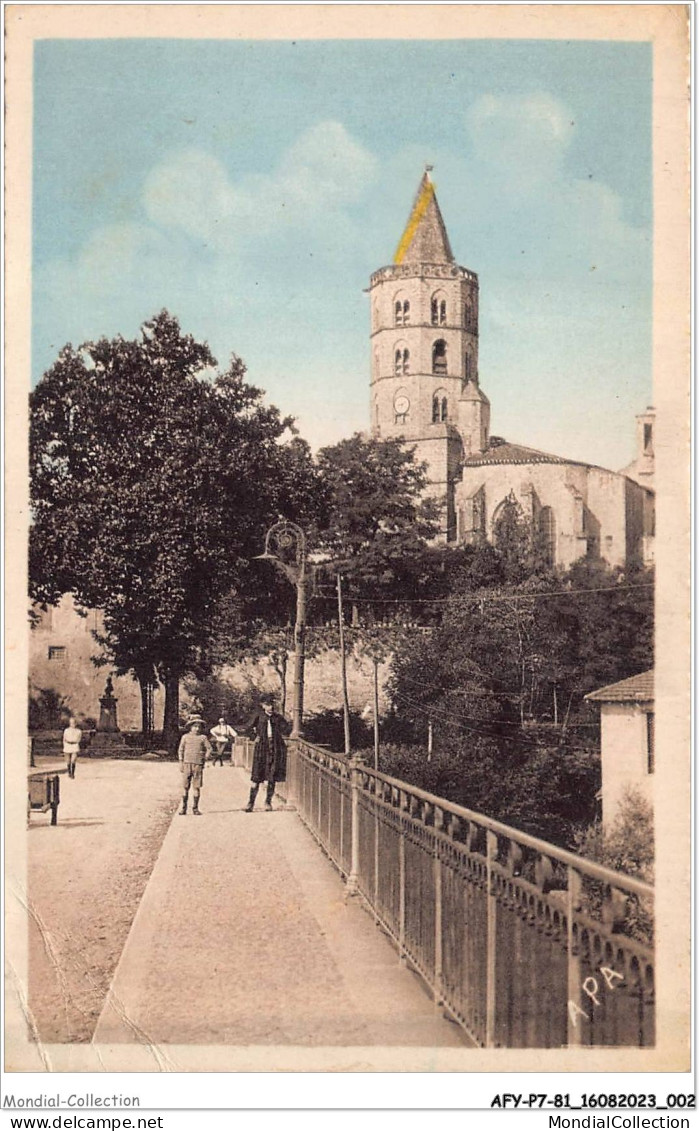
point(252, 187)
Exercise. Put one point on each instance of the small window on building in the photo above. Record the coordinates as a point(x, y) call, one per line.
point(439, 356)
point(406, 312)
point(648, 439)
point(444, 409)
point(398, 365)
point(435, 410)
point(434, 308)
point(442, 312)
point(401, 417)
point(57, 653)
point(468, 367)
point(650, 741)
point(406, 361)
point(399, 314)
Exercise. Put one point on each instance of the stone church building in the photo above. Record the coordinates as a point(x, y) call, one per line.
point(425, 387)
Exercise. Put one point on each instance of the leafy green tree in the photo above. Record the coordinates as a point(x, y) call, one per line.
point(503, 677)
point(377, 525)
point(153, 480)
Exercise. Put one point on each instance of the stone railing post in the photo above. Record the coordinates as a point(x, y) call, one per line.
point(355, 767)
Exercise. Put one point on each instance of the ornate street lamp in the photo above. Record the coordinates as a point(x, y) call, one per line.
point(285, 545)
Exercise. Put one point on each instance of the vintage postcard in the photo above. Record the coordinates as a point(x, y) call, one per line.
point(347, 540)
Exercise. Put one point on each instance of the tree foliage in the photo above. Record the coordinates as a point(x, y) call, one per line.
point(376, 524)
point(152, 482)
point(503, 677)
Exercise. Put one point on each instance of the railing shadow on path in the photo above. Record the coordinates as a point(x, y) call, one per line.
point(524, 944)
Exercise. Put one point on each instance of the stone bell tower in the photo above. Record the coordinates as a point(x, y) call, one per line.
point(424, 352)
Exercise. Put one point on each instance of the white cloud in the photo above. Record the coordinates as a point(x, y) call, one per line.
point(527, 136)
point(189, 190)
point(323, 171)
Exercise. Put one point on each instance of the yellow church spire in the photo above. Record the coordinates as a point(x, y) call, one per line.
point(425, 236)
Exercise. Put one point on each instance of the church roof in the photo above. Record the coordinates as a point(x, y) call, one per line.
point(425, 238)
point(502, 452)
point(636, 689)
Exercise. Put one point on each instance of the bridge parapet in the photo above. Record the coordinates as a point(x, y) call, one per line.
point(524, 944)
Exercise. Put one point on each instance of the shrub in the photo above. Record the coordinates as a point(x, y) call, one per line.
point(628, 846)
point(48, 710)
point(327, 728)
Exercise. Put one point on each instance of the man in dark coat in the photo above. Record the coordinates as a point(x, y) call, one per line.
point(269, 756)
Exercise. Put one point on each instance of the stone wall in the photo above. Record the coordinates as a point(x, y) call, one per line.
point(61, 648)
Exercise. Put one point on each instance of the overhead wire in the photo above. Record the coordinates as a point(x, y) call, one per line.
point(475, 718)
point(478, 597)
point(431, 712)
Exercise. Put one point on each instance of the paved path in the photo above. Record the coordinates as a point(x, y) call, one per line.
point(244, 937)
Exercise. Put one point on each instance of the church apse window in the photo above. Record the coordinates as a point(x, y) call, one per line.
point(439, 356)
point(547, 535)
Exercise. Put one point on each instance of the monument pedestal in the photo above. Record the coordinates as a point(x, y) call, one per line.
point(108, 742)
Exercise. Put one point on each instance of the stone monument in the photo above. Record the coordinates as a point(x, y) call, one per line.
point(108, 710)
point(107, 741)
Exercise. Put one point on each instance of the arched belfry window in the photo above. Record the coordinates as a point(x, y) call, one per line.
point(401, 361)
point(439, 356)
point(402, 311)
point(440, 406)
point(468, 367)
point(438, 310)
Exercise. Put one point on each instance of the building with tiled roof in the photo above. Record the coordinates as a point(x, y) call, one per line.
point(627, 723)
point(636, 689)
point(425, 387)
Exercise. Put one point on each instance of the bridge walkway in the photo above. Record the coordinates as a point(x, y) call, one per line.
point(244, 936)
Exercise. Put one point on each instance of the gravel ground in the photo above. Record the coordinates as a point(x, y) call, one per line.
point(85, 878)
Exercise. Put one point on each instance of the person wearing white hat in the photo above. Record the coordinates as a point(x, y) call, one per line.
point(194, 750)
